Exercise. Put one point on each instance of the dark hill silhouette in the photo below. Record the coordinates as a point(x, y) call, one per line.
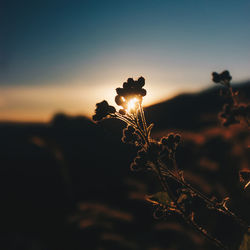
point(192, 111)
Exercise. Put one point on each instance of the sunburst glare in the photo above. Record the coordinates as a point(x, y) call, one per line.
point(132, 105)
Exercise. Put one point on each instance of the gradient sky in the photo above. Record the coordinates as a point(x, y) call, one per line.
point(67, 55)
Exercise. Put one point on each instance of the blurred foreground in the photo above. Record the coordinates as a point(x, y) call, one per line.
point(67, 184)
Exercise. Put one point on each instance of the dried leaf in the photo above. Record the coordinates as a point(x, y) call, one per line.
point(159, 198)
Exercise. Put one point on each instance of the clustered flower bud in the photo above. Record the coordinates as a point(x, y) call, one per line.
point(129, 135)
point(122, 111)
point(171, 142)
point(131, 89)
point(223, 78)
point(102, 110)
point(233, 114)
point(140, 161)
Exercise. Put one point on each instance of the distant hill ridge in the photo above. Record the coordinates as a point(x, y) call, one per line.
point(189, 111)
point(193, 111)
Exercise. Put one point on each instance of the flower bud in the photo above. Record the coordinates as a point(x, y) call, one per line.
point(118, 100)
point(122, 111)
point(141, 81)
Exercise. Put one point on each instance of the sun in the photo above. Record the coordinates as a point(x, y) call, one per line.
point(132, 104)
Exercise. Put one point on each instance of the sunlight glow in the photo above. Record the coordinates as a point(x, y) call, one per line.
point(132, 104)
point(38, 103)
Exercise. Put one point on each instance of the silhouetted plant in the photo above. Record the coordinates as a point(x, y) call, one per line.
point(159, 157)
point(232, 112)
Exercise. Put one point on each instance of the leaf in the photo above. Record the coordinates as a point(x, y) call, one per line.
point(150, 128)
point(245, 244)
point(159, 198)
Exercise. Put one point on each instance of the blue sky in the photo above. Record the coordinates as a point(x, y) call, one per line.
point(93, 46)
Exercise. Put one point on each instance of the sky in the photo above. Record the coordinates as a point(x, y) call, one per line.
point(65, 56)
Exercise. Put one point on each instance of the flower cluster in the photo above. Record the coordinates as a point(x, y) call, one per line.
point(163, 150)
point(169, 146)
point(129, 135)
point(232, 114)
point(140, 161)
point(131, 89)
point(223, 78)
point(102, 110)
point(171, 142)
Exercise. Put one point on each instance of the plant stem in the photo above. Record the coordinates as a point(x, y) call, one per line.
point(233, 96)
point(185, 217)
point(213, 204)
point(143, 120)
point(134, 124)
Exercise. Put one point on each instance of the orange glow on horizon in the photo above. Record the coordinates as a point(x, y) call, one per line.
point(40, 103)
